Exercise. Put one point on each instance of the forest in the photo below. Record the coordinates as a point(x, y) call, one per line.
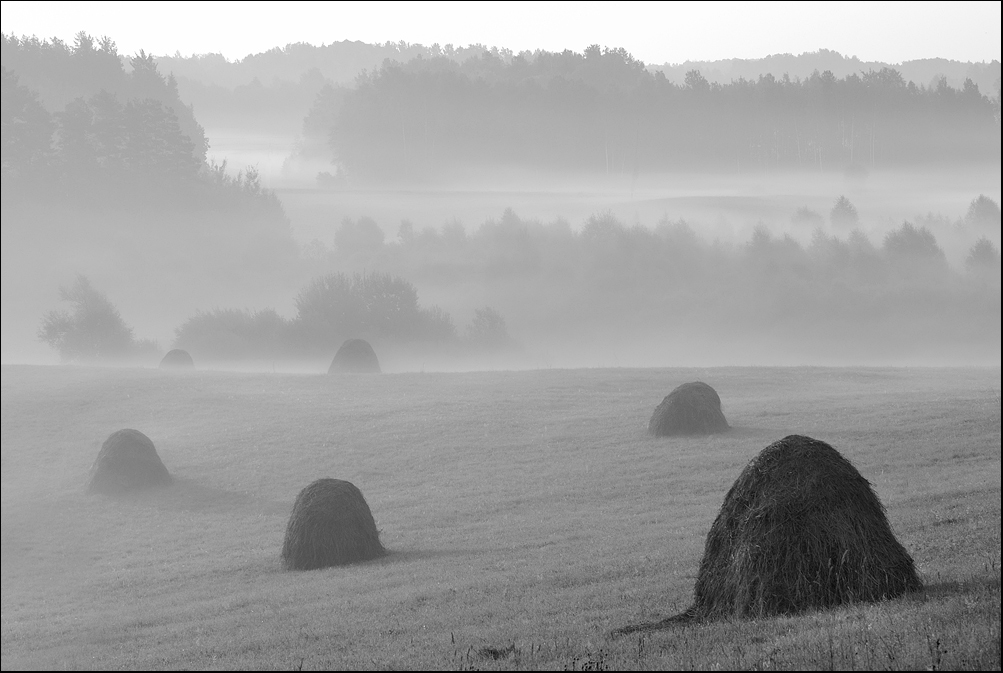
point(603, 111)
point(106, 180)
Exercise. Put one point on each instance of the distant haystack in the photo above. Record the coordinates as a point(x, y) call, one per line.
point(127, 461)
point(330, 525)
point(177, 359)
point(691, 409)
point(355, 356)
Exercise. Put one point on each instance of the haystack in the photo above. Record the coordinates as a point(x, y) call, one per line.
point(355, 356)
point(800, 529)
point(330, 525)
point(177, 359)
point(691, 409)
point(128, 461)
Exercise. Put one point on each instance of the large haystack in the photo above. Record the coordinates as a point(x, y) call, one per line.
point(691, 409)
point(177, 359)
point(355, 356)
point(127, 461)
point(799, 529)
point(330, 525)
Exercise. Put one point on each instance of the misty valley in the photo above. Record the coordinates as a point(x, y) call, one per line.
point(436, 295)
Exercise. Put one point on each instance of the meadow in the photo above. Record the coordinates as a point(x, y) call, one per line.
point(528, 514)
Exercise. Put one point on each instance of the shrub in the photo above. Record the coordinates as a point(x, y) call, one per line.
point(234, 334)
point(488, 330)
point(435, 326)
point(363, 235)
point(808, 217)
point(376, 306)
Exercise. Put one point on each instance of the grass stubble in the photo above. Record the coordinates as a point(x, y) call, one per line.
point(526, 514)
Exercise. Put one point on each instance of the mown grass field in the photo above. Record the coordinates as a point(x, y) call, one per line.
point(528, 514)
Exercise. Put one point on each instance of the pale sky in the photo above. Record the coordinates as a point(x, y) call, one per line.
point(654, 32)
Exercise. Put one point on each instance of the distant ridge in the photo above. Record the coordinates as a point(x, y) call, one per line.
point(337, 62)
point(341, 62)
point(921, 71)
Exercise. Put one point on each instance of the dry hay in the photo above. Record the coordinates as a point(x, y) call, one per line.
point(800, 529)
point(355, 356)
point(691, 409)
point(330, 525)
point(128, 461)
point(177, 359)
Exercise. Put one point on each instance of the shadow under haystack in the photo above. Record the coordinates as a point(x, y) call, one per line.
point(128, 461)
point(800, 529)
point(691, 409)
point(355, 356)
point(330, 525)
point(177, 359)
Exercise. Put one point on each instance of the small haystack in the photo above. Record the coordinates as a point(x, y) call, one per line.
point(800, 529)
point(127, 461)
point(691, 409)
point(177, 359)
point(330, 525)
point(355, 356)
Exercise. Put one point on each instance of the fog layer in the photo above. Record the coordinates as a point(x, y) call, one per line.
point(530, 211)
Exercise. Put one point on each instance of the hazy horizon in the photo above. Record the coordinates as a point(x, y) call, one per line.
point(486, 216)
point(656, 33)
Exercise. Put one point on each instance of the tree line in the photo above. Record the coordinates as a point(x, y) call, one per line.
point(837, 291)
point(603, 111)
point(118, 129)
point(379, 307)
point(105, 173)
point(77, 125)
point(548, 278)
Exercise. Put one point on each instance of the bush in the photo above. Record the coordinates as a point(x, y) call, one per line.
point(435, 325)
point(488, 330)
point(94, 331)
point(808, 217)
point(234, 334)
point(362, 236)
point(374, 306)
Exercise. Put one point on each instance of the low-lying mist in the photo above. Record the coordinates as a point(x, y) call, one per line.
point(652, 271)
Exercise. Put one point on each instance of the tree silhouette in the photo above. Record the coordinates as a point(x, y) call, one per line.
point(25, 128)
point(844, 213)
point(93, 331)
